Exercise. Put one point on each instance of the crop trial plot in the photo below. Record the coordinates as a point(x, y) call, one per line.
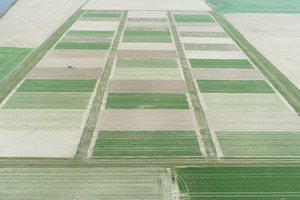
point(221, 63)
point(146, 101)
point(10, 58)
point(211, 47)
point(85, 183)
point(193, 18)
point(61, 73)
point(239, 183)
point(203, 34)
point(146, 143)
point(147, 36)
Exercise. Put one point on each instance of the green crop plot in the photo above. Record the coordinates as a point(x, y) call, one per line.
point(146, 143)
point(71, 45)
point(221, 63)
point(101, 15)
point(211, 47)
point(147, 36)
point(10, 58)
point(91, 33)
point(259, 143)
point(46, 100)
point(257, 6)
point(147, 20)
point(193, 18)
point(146, 63)
point(43, 85)
point(85, 183)
point(146, 101)
point(234, 86)
point(147, 73)
point(203, 34)
point(240, 183)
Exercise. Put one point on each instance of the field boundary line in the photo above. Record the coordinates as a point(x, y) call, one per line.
point(89, 129)
point(198, 110)
point(282, 84)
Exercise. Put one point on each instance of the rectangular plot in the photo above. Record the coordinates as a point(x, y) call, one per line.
point(146, 143)
point(48, 101)
point(206, 40)
point(144, 27)
point(146, 46)
point(243, 102)
point(216, 55)
point(146, 54)
point(234, 86)
point(147, 120)
point(90, 33)
point(113, 19)
point(147, 36)
point(200, 29)
point(147, 73)
point(83, 54)
point(203, 34)
point(256, 144)
point(71, 45)
point(147, 20)
point(58, 73)
point(42, 85)
point(146, 24)
point(226, 120)
point(147, 14)
point(118, 15)
point(95, 26)
point(197, 24)
point(193, 18)
point(227, 74)
point(147, 63)
point(221, 63)
point(211, 47)
point(146, 101)
point(146, 86)
point(85, 39)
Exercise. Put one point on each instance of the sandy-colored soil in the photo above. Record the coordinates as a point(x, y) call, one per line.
point(29, 22)
point(147, 24)
point(215, 55)
point(147, 46)
point(38, 143)
point(206, 40)
point(95, 26)
point(146, 54)
point(60, 73)
point(224, 120)
point(189, 13)
point(227, 74)
point(146, 86)
point(76, 58)
point(200, 29)
point(147, 14)
point(146, 5)
point(276, 36)
point(146, 120)
point(197, 24)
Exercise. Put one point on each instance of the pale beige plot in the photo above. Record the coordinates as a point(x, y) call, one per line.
point(74, 53)
point(146, 86)
point(30, 22)
point(206, 40)
point(146, 5)
point(99, 19)
point(200, 29)
point(147, 24)
point(197, 24)
point(215, 55)
point(59, 73)
point(225, 120)
point(189, 13)
point(38, 143)
point(146, 54)
point(227, 74)
point(147, 46)
point(95, 26)
point(146, 120)
point(147, 14)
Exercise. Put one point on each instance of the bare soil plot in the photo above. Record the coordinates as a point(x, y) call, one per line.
point(202, 29)
point(146, 46)
point(147, 73)
point(146, 101)
point(136, 24)
point(225, 120)
point(95, 26)
point(234, 86)
point(146, 54)
point(147, 14)
point(44, 100)
point(227, 74)
point(146, 63)
point(59, 73)
point(27, 142)
point(146, 86)
point(256, 144)
point(146, 143)
point(231, 101)
point(146, 5)
point(29, 23)
point(86, 183)
point(276, 36)
point(147, 120)
point(206, 40)
point(215, 55)
point(203, 34)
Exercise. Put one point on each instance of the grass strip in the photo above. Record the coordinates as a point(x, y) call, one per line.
point(282, 84)
point(91, 122)
point(199, 112)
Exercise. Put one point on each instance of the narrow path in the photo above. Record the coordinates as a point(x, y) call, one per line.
point(199, 113)
point(91, 123)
